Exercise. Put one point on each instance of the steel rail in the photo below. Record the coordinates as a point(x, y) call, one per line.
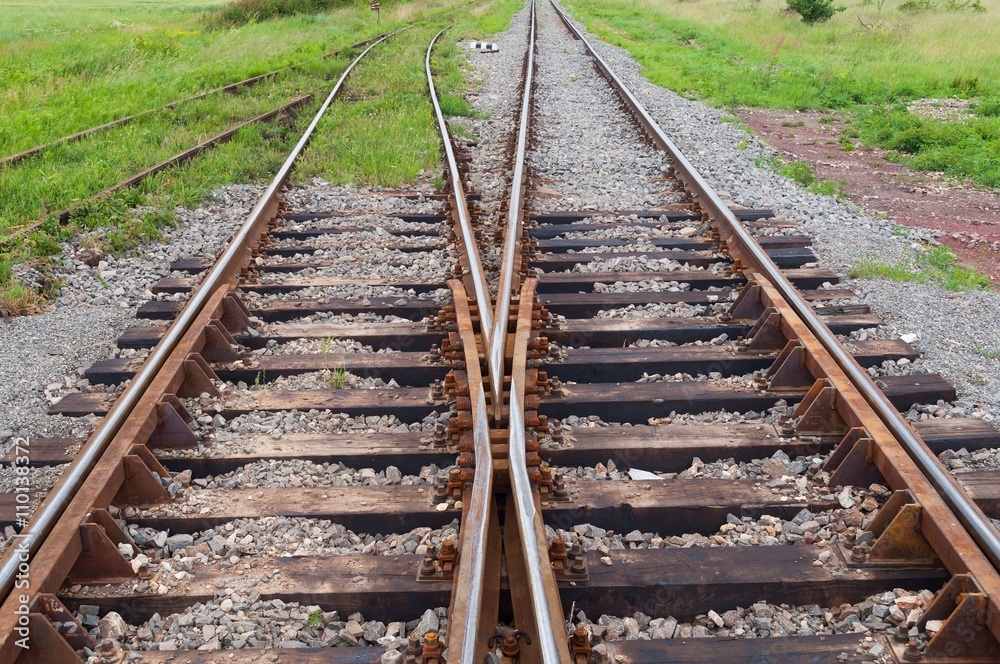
point(470, 578)
point(468, 590)
point(969, 515)
point(498, 339)
point(461, 206)
point(529, 519)
point(229, 87)
point(542, 586)
point(50, 510)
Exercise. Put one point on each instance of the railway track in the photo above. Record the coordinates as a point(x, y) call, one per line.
point(583, 435)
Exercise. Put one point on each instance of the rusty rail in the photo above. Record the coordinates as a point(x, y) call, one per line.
point(231, 87)
point(165, 370)
point(469, 632)
point(179, 158)
point(460, 205)
point(542, 589)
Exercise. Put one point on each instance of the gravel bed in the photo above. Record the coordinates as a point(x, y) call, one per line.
point(964, 461)
point(349, 292)
point(330, 243)
point(45, 355)
point(882, 612)
point(218, 437)
point(663, 310)
point(493, 91)
point(320, 196)
point(662, 286)
point(318, 346)
point(955, 345)
point(201, 495)
point(374, 262)
point(645, 264)
point(327, 378)
point(330, 318)
point(240, 619)
point(586, 150)
point(820, 528)
point(372, 224)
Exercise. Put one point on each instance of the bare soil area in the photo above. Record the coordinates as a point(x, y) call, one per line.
point(968, 217)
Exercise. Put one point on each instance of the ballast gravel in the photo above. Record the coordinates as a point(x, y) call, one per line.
point(587, 153)
point(883, 612)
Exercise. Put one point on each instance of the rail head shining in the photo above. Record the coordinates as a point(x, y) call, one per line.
point(971, 517)
point(461, 204)
point(468, 590)
point(515, 210)
point(55, 503)
point(529, 520)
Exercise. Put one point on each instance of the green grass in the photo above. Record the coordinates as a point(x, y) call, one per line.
point(71, 65)
point(803, 174)
point(749, 53)
point(969, 150)
point(724, 52)
point(937, 265)
point(989, 353)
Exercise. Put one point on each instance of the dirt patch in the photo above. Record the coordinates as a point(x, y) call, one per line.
point(968, 218)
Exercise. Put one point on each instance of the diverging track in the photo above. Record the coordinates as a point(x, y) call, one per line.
point(649, 421)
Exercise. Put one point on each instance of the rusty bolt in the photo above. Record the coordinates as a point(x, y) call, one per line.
point(428, 567)
point(912, 653)
point(578, 566)
point(859, 554)
point(902, 634)
point(557, 434)
point(559, 488)
point(448, 555)
point(579, 645)
point(432, 645)
point(510, 647)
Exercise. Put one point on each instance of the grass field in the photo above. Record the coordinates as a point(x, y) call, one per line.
point(743, 53)
point(866, 59)
point(71, 65)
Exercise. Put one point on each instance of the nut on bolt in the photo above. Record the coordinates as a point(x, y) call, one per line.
point(912, 653)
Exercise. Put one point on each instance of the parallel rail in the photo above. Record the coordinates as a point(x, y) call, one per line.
point(502, 528)
point(135, 407)
point(955, 527)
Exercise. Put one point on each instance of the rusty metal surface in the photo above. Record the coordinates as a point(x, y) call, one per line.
point(955, 546)
point(542, 589)
point(179, 158)
point(97, 475)
point(469, 590)
point(510, 263)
